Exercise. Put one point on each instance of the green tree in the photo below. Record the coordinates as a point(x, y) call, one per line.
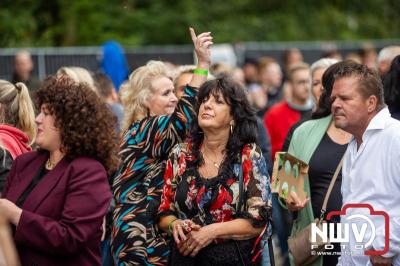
point(142, 22)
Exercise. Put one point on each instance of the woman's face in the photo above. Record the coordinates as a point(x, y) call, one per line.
point(214, 113)
point(316, 86)
point(48, 137)
point(163, 100)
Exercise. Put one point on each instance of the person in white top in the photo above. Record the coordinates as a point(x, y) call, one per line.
point(371, 167)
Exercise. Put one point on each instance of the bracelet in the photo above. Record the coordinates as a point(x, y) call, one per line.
point(170, 225)
point(203, 72)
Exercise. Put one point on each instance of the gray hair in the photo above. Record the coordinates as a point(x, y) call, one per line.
point(388, 53)
point(322, 63)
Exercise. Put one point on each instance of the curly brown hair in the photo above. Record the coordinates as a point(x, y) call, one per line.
point(86, 124)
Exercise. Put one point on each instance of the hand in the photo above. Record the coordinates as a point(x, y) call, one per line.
point(380, 261)
point(197, 240)
point(10, 211)
point(293, 202)
point(202, 44)
point(180, 228)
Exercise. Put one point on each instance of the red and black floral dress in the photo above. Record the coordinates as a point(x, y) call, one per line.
point(188, 195)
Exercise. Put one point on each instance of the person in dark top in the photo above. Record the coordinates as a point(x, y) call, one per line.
point(264, 143)
point(109, 95)
point(271, 82)
point(5, 165)
point(56, 197)
point(322, 167)
point(321, 145)
point(391, 87)
point(23, 64)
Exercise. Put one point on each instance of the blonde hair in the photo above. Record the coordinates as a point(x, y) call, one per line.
point(138, 90)
point(78, 74)
point(296, 67)
point(17, 108)
point(220, 68)
point(184, 69)
point(265, 62)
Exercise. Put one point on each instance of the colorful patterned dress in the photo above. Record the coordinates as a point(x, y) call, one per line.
point(188, 195)
point(138, 185)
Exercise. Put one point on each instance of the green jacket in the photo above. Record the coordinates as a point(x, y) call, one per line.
point(305, 140)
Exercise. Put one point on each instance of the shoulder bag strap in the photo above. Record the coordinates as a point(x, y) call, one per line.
point(328, 193)
point(241, 185)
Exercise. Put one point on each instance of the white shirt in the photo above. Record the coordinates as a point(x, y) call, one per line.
point(371, 175)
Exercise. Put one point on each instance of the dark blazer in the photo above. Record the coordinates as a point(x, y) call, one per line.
point(62, 216)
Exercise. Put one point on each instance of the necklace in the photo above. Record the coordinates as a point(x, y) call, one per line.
point(49, 165)
point(215, 163)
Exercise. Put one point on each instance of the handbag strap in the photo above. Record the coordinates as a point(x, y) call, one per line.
point(241, 185)
point(328, 193)
point(240, 203)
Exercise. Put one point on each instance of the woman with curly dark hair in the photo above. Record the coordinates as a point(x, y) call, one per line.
point(217, 197)
point(57, 197)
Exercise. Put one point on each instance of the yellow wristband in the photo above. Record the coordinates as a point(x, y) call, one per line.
point(203, 72)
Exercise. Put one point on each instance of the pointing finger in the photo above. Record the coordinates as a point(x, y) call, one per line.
point(192, 34)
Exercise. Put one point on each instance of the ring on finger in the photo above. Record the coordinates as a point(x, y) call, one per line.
point(185, 225)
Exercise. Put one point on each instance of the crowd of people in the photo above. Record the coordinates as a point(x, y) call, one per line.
point(175, 168)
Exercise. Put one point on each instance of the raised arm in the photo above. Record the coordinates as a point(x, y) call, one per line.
point(202, 44)
point(160, 133)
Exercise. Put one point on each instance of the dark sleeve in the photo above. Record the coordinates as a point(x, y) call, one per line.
point(286, 143)
point(87, 199)
point(264, 143)
point(163, 132)
point(6, 162)
point(9, 178)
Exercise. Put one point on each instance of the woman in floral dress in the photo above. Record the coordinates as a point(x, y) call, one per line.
point(200, 205)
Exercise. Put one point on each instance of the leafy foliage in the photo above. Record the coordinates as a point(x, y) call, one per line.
point(142, 22)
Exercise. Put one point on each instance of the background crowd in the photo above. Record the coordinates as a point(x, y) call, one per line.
point(152, 171)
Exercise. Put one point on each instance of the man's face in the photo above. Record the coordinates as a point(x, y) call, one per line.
point(271, 75)
point(349, 107)
point(250, 72)
point(301, 80)
point(23, 65)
